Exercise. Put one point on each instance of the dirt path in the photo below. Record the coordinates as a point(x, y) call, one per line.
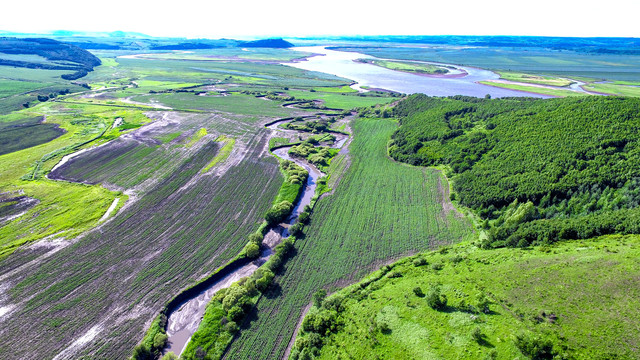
point(305, 310)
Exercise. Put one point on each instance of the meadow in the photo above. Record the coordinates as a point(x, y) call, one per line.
point(571, 300)
point(534, 60)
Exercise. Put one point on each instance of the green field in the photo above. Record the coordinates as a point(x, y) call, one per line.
point(536, 89)
point(534, 79)
point(532, 61)
point(579, 297)
point(411, 67)
point(379, 210)
point(615, 89)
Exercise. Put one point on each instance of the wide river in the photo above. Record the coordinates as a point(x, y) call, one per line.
point(341, 63)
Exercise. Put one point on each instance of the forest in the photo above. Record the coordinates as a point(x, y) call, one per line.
point(534, 171)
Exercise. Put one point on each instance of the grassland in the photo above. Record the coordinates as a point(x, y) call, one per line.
point(411, 67)
point(379, 210)
point(534, 79)
point(58, 212)
point(614, 89)
point(537, 89)
point(534, 61)
point(581, 297)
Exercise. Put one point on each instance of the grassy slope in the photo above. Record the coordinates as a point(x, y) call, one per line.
point(380, 210)
point(534, 79)
point(410, 67)
point(590, 286)
point(615, 89)
point(535, 89)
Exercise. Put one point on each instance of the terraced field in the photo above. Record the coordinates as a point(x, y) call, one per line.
point(381, 210)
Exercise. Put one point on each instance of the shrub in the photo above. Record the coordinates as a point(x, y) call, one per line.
point(418, 291)
point(278, 212)
point(477, 335)
point(170, 356)
point(318, 297)
point(159, 340)
point(535, 346)
point(419, 261)
point(252, 250)
point(435, 299)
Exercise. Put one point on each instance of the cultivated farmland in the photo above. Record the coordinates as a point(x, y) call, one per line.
point(380, 210)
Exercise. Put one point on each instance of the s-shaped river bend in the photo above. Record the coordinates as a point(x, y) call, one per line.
point(186, 318)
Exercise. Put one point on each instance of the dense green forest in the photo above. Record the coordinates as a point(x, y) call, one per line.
point(535, 171)
point(61, 56)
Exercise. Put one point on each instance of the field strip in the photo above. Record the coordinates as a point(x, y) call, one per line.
point(109, 210)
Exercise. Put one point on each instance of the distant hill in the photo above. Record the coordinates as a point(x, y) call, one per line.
point(60, 56)
point(222, 43)
point(266, 43)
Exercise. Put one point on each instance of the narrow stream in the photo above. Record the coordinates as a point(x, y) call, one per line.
point(184, 321)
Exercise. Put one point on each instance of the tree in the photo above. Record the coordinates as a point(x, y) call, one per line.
point(318, 297)
point(435, 299)
point(170, 356)
point(252, 250)
point(278, 212)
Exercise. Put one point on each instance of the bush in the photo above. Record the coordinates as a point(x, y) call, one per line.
point(160, 340)
point(296, 229)
point(252, 250)
point(535, 347)
point(419, 261)
point(477, 335)
point(435, 299)
point(318, 297)
point(279, 212)
point(170, 356)
point(418, 291)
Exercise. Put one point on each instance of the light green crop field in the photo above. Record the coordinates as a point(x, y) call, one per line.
point(580, 297)
point(408, 66)
point(339, 101)
point(534, 79)
point(615, 89)
point(536, 89)
point(378, 211)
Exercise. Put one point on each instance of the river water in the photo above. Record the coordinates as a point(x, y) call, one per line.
point(341, 63)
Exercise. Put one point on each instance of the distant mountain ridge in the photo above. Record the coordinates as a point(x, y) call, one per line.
point(61, 56)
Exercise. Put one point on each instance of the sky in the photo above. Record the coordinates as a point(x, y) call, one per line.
point(286, 18)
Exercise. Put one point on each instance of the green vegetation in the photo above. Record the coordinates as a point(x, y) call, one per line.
point(380, 210)
point(535, 171)
point(25, 133)
point(500, 304)
point(535, 89)
point(632, 90)
point(224, 152)
point(412, 67)
point(534, 79)
point(577, 63)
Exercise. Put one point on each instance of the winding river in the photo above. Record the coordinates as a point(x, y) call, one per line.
point(341, 63)
point(185, 319)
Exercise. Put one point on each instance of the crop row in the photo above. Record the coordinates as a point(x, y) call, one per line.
point(381, 211)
